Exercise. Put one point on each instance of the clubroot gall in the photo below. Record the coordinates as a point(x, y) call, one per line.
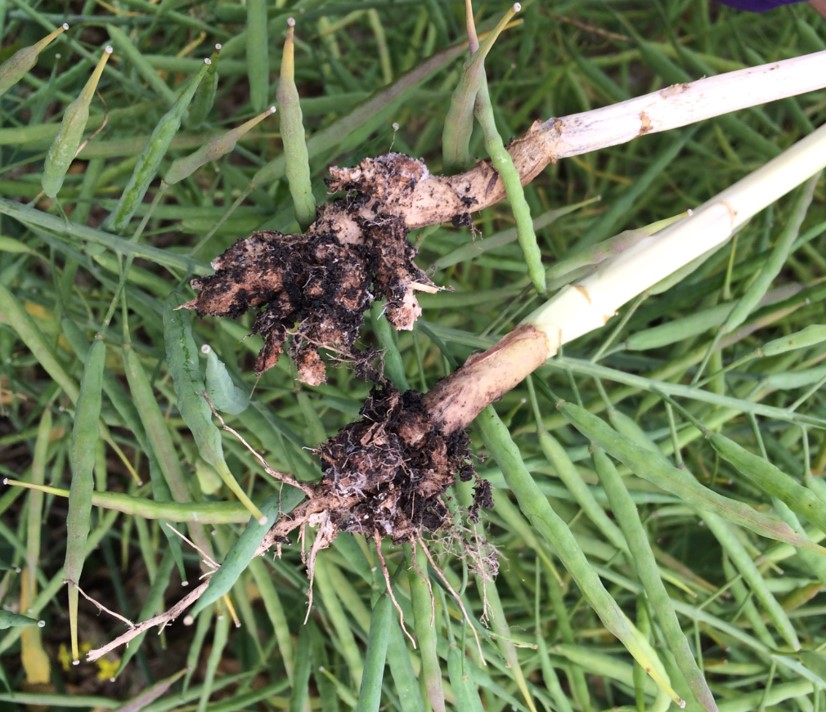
point(316, 287)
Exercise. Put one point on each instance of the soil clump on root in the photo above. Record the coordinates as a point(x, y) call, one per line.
point(396, 465)
point(314, 289)
point(385, 476)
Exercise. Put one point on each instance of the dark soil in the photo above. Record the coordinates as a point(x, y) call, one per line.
point(385, 475)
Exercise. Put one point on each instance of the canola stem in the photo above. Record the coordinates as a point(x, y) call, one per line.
point(587, 305)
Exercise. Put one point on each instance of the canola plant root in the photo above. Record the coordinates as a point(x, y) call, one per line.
point(385, 475)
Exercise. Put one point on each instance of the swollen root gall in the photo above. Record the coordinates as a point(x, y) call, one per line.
point(313, 289)
point(392, 467)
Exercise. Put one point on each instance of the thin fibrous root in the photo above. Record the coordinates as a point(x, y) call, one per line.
point(388, 584)
point(100, 606)
point(205, 558)
point(280, 476)
point(162, 619)
point(455, 598)
point(327, 532)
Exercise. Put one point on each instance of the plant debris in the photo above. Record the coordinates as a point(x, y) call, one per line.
point(315, 288)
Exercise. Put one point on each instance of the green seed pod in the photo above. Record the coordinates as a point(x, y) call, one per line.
point(812, 335)
point(222, 391)
point(205, 96)
point(65, 145)
point(182, 358)
point(85, 438)
point(150, 158)
point(15, 620)
point(212, 150)
point(18, 65)
point(240, 555)
point(292, 134)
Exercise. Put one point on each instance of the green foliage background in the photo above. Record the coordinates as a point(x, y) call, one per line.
point(750, 608)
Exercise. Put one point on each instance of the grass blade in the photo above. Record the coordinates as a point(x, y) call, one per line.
point(27, 330)
point(458, 124)
point(219, 641)
point(34, 658)
point(258, 54)
point(399, 660)
point(135, 57)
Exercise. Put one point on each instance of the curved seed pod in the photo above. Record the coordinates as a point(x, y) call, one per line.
point(18, 65)
point(212, 150)
point(459, 120)
point(505, 167)
point(65, 145)
point(471, 97)
point(297, 165)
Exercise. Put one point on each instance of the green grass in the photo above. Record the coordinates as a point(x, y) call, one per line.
point(623, 465)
